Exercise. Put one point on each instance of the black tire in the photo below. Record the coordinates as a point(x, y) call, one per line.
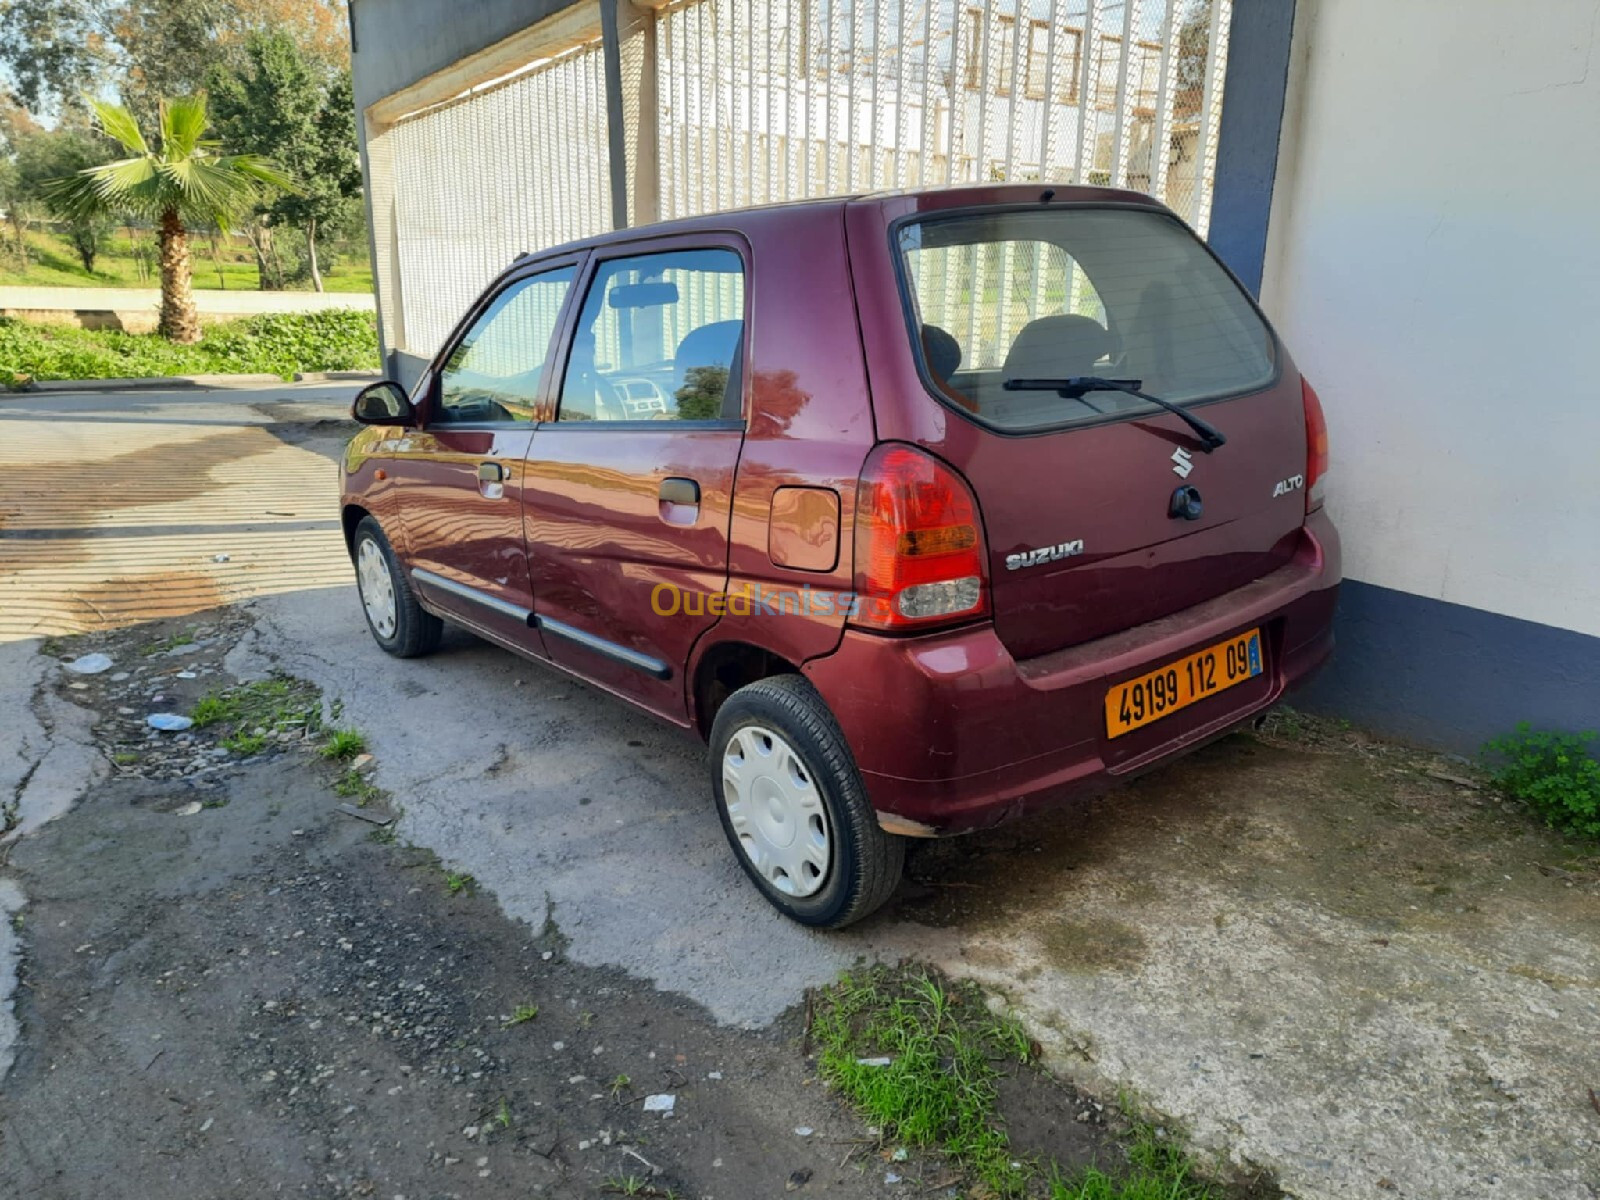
point(866, 863)
point(417, 631)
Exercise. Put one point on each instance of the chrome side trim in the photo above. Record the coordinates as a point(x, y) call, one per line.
point(505, 608)
point(632, 658)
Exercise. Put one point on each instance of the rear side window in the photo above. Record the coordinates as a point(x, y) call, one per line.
point(1066, 292)
point(658, 340)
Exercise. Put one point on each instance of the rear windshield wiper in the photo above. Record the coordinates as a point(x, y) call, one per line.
point(1076, 386)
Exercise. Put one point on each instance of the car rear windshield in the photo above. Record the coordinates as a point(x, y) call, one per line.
point(1067, 292)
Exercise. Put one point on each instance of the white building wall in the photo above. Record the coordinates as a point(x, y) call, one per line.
point(1434, 264)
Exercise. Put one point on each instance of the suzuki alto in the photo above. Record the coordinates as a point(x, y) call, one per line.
point(921, 509)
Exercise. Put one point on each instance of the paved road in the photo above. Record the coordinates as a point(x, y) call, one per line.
point(1315, 953)
point(122, 507)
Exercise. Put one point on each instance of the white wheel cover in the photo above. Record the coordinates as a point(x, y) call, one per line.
point(776, 811)
point(377, 588)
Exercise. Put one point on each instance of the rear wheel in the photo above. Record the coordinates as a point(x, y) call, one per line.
point(793, 806)
point(398, 622)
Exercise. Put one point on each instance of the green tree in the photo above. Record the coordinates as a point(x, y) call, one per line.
point(54, 50)
point(45, 156)
point(19, 207)
point(57, 51)
point(185, 179)
point(285, 103)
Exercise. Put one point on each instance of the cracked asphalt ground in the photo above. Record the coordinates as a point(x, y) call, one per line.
point(1320, 953)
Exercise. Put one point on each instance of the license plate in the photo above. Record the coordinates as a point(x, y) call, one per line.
point(1162, 692)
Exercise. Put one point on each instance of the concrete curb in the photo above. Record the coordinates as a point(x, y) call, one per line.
point(180, 382)
point(167, 382)
point(334, 376)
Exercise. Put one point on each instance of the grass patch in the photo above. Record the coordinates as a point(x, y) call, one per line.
point(1157, 1170)
point(267, 706)
point(938, 1088)
point(222, 264)
point(456, 882)
point(344, 744)
point(272, 343)
point(946, 1052)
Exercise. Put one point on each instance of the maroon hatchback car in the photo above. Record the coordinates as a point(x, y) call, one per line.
point(920, 508)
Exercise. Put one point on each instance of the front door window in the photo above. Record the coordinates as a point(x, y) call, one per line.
point(493, 373)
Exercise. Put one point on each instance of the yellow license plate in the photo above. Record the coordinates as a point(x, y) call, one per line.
point(1162, 692)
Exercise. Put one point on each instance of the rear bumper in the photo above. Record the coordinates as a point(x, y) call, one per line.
point(952, 734)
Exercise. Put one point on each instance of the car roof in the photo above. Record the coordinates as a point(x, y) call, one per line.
point(902, 200)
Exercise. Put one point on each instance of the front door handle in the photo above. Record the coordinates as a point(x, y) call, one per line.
point(676, 490)
point(491, 472)
point(679, 501)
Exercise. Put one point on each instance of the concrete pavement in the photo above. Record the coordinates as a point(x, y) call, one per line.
point(1315, 953)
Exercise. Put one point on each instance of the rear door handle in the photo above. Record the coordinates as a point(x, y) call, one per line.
point(491, 472)
point(676, 490)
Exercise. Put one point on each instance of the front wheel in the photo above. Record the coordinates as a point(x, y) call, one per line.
point(794, 808)
point(398, 623)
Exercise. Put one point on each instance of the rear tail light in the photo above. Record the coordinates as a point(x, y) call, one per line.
point(1316, 446)
point(920, 556)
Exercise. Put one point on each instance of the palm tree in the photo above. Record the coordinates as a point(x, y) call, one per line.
point(186, 180)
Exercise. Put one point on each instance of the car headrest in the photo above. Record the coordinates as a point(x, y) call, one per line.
point(712, 345)
point(942, 351)
point(1058, 346)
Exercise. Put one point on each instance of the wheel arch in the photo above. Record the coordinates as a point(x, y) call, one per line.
point(721, 669)
point(349, 517)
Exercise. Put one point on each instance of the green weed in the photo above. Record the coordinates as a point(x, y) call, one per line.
point(165, 644)
point(245, 744)
point(344, 744)
point(1553, 774)
point(353, 785)
point(522, 1014)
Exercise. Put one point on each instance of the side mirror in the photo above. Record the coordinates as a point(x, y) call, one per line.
point(383, 403)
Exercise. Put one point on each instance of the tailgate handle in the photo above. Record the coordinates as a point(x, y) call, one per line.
point(676, 490)
point(1186, 503)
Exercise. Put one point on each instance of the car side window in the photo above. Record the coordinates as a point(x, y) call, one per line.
point(493, 373)
point(658, 340)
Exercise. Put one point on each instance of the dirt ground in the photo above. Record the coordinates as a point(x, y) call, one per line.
point(235, 988)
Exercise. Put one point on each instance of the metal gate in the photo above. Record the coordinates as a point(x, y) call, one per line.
point(732, 102)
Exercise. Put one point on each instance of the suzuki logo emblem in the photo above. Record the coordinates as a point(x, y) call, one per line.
point(1181, 463)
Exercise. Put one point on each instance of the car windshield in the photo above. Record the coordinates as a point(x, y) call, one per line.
point(1060, 293)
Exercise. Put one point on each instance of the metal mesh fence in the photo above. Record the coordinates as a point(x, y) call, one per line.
point(764, 102)
point(514, 166)
point(732, 102)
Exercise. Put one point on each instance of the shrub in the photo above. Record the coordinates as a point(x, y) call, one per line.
point(275, 343)
point(1553, 774)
